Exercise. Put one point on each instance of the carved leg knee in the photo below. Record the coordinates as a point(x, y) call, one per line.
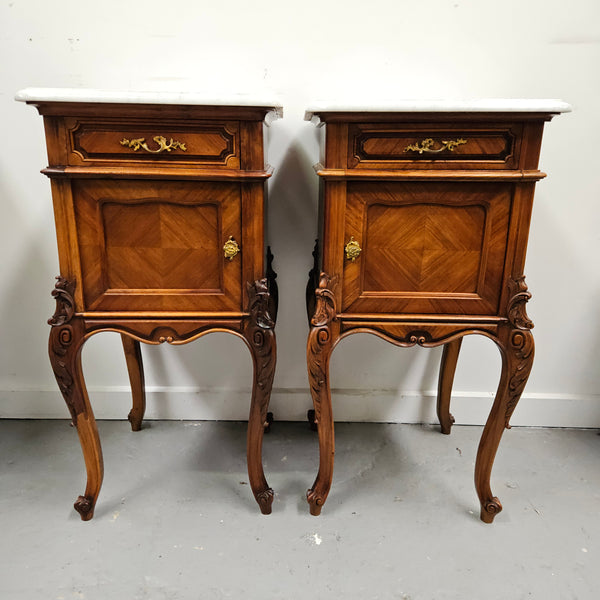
point(517, 348)
point(260, 336)
point(64, 348)
point(321, 340)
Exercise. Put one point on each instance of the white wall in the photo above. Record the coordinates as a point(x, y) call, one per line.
point(304, 51)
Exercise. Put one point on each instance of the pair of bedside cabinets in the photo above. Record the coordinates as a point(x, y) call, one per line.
point(159, 205)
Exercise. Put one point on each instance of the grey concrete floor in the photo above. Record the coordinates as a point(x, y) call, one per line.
point(176, 518)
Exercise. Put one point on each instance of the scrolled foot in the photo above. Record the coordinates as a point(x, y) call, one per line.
point(85, 507)
point(315, 501)
point(135, 420)
point(490, 509)
point(265, 501)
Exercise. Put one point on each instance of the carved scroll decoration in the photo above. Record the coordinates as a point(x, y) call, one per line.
point(520, 344)
point(519, 296)
point(65, 304)
point(265, 499)
point(61, 338)
point(319, 340)
point(260, 336)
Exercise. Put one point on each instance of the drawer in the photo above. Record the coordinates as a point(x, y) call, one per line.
point(116, 141)
point(434, 146)
point(425, 248)
point(158, 246)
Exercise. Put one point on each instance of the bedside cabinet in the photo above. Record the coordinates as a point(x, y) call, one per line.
point(424, 218)
point(159, 204)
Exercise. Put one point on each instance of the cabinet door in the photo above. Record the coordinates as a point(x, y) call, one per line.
point(154, 246)
point(426, 247)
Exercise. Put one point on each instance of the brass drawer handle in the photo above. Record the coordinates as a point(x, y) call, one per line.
point(426, 145)
point(353, 249)
point(138, 143)
point(231, 248)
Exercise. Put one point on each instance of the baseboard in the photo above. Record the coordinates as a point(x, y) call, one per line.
point(291, 404)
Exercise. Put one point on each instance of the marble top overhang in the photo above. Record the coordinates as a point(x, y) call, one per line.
point(41, 95)
point(501, 105)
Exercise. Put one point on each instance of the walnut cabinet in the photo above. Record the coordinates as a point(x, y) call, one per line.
point(159, 204)
point(423, 225)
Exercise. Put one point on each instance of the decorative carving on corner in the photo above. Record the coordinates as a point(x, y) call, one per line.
point(65, 304)
point(521, 346)
point(324, 302)
point(519, 296)
point(320, 340)
point(261, 337)
point(258, 304)
point(61, 340)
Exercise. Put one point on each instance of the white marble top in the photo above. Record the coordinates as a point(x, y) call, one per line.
point(133, 97)
point(484, 105)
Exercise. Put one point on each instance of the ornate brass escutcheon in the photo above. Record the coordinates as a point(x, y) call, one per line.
point(426, 145)
point(231, 248)
point(353, 249)
point(163, 145)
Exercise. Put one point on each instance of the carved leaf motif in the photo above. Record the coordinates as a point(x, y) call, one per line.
point(319, 340)
point(325, 303)
point(61, 339)
point(260, 335)
point(522, 347)
point(519, 296)
point(520, 344)
point(65, 304)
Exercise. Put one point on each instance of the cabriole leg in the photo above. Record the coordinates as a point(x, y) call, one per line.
point(64, 347)
point(447, 370)
point(321, 340)
point(260, 336)
point(517, 348)
point(135, 368)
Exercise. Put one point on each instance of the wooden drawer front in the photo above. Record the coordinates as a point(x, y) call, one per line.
point(373, 146)
point(148, 246)
point(426, 247)
point(110, 140)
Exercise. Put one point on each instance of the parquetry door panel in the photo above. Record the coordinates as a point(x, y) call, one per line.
point(158, 245)
point(426, 247)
